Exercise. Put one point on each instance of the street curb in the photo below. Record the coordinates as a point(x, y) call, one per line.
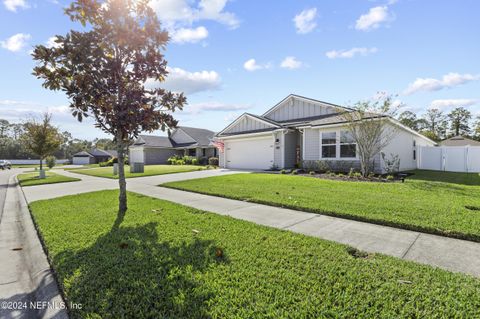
point(43, 278)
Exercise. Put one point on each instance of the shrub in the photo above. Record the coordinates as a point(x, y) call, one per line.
point(283, 171)
point(371, 175)
point(187, 160)
point(51, 161)
point(103, 164)
point(390, 177)
point(341, 175)
point(323, 166)
point(351, 172)
point(311, 172)
point(357, 174)
point(213, 161)
point(194, 161)
point(203, 161)
point(295, 172)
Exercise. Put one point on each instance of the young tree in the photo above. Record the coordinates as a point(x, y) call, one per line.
point(41, 138)
point(476, 133)
point(369, 127)
point(103, 71)
point(409, 119)
point(459, 121)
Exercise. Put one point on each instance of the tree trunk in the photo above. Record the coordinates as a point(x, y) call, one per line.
point(122, 199)
point(41, 166)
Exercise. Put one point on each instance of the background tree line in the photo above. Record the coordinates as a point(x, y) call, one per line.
point(12, 147)
point(438, 125)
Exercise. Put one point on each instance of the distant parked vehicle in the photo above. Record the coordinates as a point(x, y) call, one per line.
point(5, 164)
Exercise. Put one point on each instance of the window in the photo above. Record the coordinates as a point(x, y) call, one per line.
point(192, 152)
point(329, 145)
point(348, 148)
point(414, 150)
point(203, 152)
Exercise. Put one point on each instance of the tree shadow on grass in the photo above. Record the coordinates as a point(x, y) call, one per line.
point(130, 273)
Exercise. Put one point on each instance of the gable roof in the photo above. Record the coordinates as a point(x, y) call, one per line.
point(459, 141)
point(99, 152)
point(82, 154)
point(202, 136)
point(272, 124)
point(299, 97)
point(153, 141)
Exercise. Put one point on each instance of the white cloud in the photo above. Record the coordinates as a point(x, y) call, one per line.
point(214, 107)
point(305, 21)
point(179, 80)
point(348, 54)
point(51, 42)
point(16, 42)
point(374, 18)
point(290, 62)
point(13, 5)
point(186, 12)
point(447, 81)
point(252, 65)
point(187, 35)
point(451, 103)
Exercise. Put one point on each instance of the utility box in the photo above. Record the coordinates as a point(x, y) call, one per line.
point(137, 167)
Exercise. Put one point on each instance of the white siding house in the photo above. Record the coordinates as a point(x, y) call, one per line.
point(299, 130)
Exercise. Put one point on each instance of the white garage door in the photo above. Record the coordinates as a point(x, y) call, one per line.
point(253, 153)
point(81, 160)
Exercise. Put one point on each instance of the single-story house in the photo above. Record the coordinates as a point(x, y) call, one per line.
point(183, 141)
point(93, 156)
point(299, 130)
point(459, 141)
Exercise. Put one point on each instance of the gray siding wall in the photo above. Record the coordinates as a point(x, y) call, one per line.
point(158, 155)
point(290, 144)
point(180, 137)
point(295, 108)
point(247, 124)
point(312, 144)
point(278, 150)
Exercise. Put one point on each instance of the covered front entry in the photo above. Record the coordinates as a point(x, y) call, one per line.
point(250, 153)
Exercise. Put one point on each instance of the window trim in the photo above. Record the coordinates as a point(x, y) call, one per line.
point(321, 145)
point(337, 144)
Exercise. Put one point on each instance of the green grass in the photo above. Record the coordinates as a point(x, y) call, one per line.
point(87, 166)
point(150, 170)
point(433, 202)
point(161, 263)
point(31, 179)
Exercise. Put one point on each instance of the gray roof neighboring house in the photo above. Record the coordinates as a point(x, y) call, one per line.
point(96, 153)
point(201, 137)
point(82, 154)
point(459, 141)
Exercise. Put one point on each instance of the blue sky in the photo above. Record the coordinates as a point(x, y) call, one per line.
point(241, 56)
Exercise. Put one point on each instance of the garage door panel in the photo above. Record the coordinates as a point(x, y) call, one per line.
point(255, 153)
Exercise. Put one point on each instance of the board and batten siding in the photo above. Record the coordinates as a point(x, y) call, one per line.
point(311, 145)
point(247, 124)
point(295, 108)
point(158, 155)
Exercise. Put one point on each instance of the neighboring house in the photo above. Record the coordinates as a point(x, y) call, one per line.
point(459, 141)
point(93, 156)
point(183, 141)
point(298, 130)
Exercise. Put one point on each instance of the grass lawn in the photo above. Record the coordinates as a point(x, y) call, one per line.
point(428, 201)
point(150, 170)
point(161, 262)
point(31, 179)
point(83, 167)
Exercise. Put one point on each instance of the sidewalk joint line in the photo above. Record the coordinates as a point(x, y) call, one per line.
point(411, 245)
point(299, 222)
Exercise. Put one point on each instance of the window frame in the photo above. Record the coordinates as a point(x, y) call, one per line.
point(337, 144)
point(330, 144)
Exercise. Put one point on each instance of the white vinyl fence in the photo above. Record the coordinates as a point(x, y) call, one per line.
point(449, 158)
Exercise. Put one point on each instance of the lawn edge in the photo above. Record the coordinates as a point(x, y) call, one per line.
point(43, 184)
point(45, 249)
point(116, 178)
point(426, 230)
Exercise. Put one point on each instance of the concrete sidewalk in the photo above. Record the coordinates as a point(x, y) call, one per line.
point(447, 253)
point(26, 280)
